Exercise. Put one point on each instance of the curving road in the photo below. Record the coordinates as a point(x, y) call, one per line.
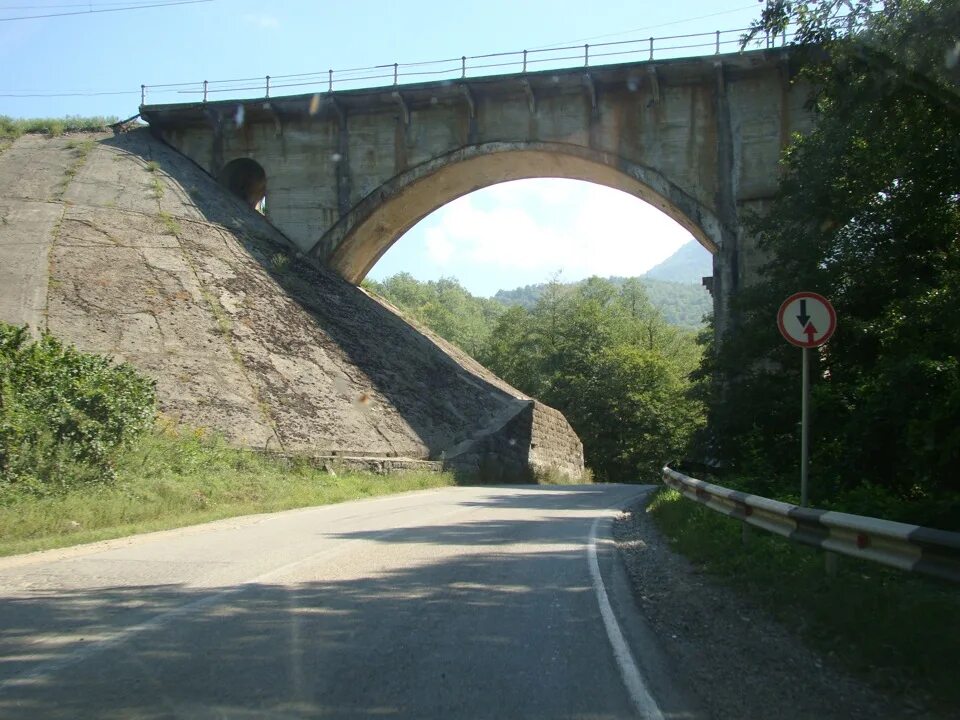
point(463, 602)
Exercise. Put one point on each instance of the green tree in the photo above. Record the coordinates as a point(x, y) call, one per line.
point(869, 215)
point(444, 306)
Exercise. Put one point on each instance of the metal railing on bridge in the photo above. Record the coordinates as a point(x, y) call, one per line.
point(460, 68)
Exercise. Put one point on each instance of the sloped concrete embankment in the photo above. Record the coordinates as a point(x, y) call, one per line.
point(122, 246)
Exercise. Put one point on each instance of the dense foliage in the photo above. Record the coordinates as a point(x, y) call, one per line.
point(64, 414)
point(599, 351)
point(443, 306)
point(680, 303)
point(868, 215)
point(604, 356)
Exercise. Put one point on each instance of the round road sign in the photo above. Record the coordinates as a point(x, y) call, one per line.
point(807, 319)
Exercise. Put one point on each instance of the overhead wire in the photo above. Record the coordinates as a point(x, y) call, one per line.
point(105, 10)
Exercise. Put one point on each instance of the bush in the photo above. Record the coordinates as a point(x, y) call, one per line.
point(64, 414)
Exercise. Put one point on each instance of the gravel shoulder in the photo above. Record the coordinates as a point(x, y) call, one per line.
point(740, 661)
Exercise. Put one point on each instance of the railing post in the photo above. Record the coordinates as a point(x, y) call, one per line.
point(651, 48)
point(717, 49)
point(329, 80)
point(143, 94)
point(524, 60)
point(463, 66)
point(586, 55)
point(831, 563)
point(395, 73)
point(268, 86)
point(204, 90)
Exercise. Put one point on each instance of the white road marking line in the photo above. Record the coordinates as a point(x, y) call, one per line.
point(640, 695)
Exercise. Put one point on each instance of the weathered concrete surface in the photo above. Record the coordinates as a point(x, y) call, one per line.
point(349, 172)
point(123, 246)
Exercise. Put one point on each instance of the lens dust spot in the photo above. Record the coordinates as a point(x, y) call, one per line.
point(952, 56)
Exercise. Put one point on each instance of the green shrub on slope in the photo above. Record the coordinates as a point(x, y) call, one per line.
point(64, 414)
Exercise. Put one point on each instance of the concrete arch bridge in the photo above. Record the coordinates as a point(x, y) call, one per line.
point(347, 173)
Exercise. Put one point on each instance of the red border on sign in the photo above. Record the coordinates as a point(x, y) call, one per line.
point(826, 335)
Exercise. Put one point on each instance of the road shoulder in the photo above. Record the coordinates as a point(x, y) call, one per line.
point(741, 662)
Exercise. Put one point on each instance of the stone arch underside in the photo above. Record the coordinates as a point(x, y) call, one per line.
point(358, 240)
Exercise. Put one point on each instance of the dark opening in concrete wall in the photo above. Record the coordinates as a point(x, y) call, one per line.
point(246, 179)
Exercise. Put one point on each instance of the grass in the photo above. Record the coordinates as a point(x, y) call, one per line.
point(279, 262)
point(897, 630)
point(169, 223)
point(12, 128)
point(81, 150)
point(157, 188)
point(152, 166)
point(172, 479)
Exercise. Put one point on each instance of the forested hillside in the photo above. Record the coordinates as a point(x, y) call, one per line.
point(598, 351)
point(682, 303)
point(690, 264)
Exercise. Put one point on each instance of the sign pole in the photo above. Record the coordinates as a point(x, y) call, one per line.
point(804, 426)
point(806, 320)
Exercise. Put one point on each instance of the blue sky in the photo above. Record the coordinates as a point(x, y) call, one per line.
point(500, 237)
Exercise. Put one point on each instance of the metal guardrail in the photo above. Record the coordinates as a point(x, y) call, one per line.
point(549, 58)
point(908, 547)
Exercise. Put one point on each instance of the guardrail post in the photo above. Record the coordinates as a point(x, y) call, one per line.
point(651, 48)
point(204, 90)
point(268, 86)
point(395, 73)
point(329, 80)
point(745, 533)
point(463, 66)
point(831, 563)
point(524, 60)
point(586, 55)
point(717, 49)
point(143, 94)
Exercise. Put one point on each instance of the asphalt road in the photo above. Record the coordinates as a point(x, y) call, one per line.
point(462, 602)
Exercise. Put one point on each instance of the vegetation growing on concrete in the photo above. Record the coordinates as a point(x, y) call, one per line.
point(170, 224)
point(897, 630)
point(12, 128)
point(81, 149)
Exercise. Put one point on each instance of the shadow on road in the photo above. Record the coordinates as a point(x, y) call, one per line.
point(486, 635)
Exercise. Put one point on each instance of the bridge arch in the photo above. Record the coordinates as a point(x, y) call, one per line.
point(358, 240)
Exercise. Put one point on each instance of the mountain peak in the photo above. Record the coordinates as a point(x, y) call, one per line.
point(689, 264)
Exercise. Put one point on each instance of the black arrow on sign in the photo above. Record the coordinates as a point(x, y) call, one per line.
point(803, 317)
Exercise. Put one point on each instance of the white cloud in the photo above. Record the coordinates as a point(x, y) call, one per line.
point(547, 225)
point(439, 247)
point(262, 20)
